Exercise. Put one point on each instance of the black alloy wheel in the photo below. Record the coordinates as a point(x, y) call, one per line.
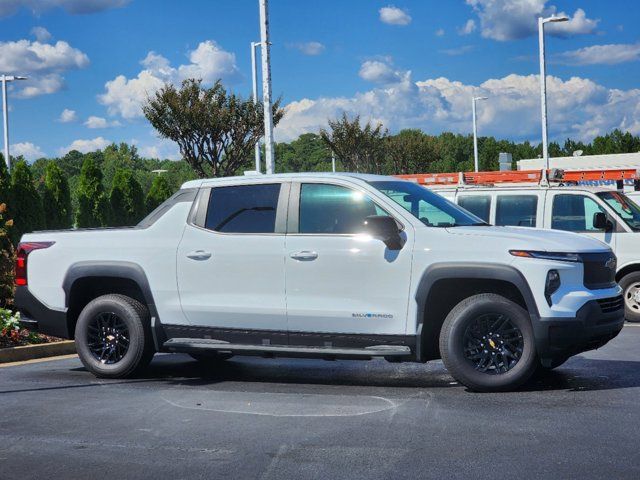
point(108, 338)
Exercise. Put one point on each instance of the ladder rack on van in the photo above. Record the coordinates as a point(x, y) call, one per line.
point(542, 177)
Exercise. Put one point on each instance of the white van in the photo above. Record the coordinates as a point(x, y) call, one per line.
point(608, 215)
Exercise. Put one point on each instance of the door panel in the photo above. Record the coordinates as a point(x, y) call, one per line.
point(340, 281)
point(234, 277)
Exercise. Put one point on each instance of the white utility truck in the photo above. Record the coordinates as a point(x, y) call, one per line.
point(322, 265)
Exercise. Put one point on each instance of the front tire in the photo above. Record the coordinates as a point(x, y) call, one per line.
point(113, 336)
point(487, 343)
point(630, 284)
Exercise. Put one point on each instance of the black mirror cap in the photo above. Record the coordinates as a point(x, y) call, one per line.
point(384, 228)
point(602, 222)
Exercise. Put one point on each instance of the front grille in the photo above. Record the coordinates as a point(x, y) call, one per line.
point(613, 304)
point(599, 270)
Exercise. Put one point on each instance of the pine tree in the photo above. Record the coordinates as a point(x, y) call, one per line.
point(26, 204)
point(56, 198)
point(93, 205)
point(127, 199)
point(160, 190)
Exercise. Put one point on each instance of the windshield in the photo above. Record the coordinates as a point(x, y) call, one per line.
point(428, 207)
point(624, 207)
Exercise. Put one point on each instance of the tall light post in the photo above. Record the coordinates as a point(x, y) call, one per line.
point(254, 76)
point(5, 112)
point(543, 84)
point(475, 130)
point(266, 86)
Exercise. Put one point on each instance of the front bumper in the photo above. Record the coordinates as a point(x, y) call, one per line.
point(595, 324)
point(37, 316)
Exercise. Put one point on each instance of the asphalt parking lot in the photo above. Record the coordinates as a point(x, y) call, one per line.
point(253, 418)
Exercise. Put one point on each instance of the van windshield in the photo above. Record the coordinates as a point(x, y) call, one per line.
point(428, 207)
point(624, 207)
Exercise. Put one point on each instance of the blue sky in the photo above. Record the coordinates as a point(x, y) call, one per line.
point(411, 63)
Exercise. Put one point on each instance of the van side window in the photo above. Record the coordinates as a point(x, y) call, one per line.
point(243, 208)
point(573, 213)
point(479, 205)
point(516, 210)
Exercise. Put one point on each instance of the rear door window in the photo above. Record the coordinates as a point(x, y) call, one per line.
point(516, 210)
point(479, 205)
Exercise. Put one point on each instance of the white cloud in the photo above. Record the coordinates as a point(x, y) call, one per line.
point(440, 32)
point(42, 34)
point(68, 116)
point(9, 7)
point(394, 16)
point(468, 28)
point(161, 148)
point(28, 150)
point(41, 62)
point(100, 122)
point(514, 19)
point(380, 72)
point(41, 85)
point(124, 96)
point(85, 146)
point(308, 48)
point(578, 108)
point(600, 55)
point(25, 57)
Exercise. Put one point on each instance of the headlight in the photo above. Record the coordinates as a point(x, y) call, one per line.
point(551, 285)
point(558, 256)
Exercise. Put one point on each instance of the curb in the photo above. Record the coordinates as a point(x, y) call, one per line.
point(30, 352)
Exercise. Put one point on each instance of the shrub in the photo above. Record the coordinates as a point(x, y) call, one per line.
point(26, 205)
point(56, 198)
point(93, 205)
point(127, 199)
point(160, 190)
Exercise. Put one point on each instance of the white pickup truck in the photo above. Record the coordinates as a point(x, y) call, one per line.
point(322, 265)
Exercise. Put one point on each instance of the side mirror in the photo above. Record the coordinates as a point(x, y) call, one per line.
point(384, 228)
point(601, 222)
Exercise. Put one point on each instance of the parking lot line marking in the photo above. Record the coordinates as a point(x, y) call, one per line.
point(38, 360)
point(632, 324)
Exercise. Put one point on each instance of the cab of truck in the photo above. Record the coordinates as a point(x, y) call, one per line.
point(602, 213)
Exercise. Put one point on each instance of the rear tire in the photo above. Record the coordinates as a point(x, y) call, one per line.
point(499, 359)
point(630, 284)
point(113, 336)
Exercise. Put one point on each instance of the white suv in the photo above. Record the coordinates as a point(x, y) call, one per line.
point(607, 215)
point(322, 265)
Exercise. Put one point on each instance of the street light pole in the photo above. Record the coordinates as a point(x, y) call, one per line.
point(254, 76)
point(543, 84)
point(266, 86)
point(475, 130)
point(5, 113)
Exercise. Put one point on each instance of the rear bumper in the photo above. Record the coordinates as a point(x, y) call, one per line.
point(592, 327)
point(36, 316)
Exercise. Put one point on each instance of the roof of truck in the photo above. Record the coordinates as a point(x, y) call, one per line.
point(367, 177)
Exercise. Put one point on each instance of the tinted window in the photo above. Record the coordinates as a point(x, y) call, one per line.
point(476, 204)
point(516, 210)
point(243, 209)
point(333, 209)
point(428, 207)
point(624, 206)
point(573, 213)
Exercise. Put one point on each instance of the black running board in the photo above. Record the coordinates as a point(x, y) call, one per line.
point(194, 345)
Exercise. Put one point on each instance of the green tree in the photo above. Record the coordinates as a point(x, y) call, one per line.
point(410, 151)
point(126, 199)
point(215, 131)
point(26, 204)
point(160, 190)
point(308, 153)
point(360, 149)
point(93, 204)
point(56, 198)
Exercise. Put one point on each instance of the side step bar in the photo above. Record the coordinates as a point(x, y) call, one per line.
point(193, 345)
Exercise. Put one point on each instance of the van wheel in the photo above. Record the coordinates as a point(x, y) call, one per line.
point(487, 343)
point(630, 284)
point(113, 336)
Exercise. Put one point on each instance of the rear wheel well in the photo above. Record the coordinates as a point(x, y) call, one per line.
point(446, 294)
point(627, 270)
point(85, 289)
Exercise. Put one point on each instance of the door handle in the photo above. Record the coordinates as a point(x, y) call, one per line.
point(304, 255)
point(199, 255)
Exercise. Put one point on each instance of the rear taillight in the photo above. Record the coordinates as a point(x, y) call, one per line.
point(23, 251)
